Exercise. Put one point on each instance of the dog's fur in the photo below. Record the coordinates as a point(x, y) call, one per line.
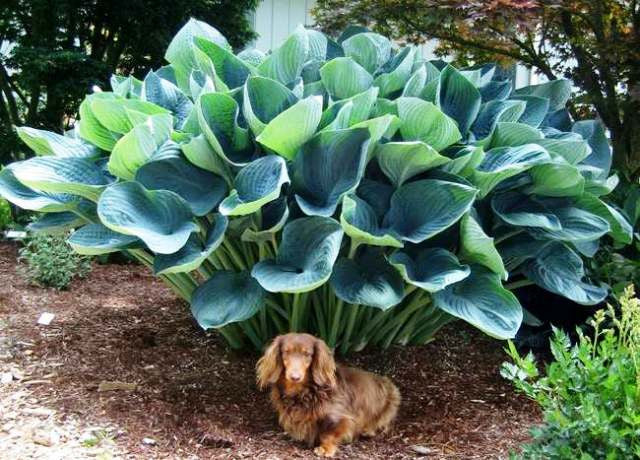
point(320, 402)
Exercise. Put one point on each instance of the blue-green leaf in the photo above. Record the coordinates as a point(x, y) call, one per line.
point(524, 211)
point(423, 121)
point(430, 269)
point(19, 194)
point(305, 258)
point(458, 98)
point(165, 94)
point(360, 221)
point(47, 143)
point(400, 161)
point(477, 247)
point(229, 68)
point(96, 239)
point(56, 223)
point(343, 78)
point(368, 49)
point(264, 99)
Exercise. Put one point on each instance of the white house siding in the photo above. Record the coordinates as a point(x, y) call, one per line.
point(274, 20)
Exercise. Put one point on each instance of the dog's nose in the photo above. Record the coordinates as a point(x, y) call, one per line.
point(296, 377)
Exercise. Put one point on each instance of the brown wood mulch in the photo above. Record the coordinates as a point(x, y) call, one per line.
point(186, 395)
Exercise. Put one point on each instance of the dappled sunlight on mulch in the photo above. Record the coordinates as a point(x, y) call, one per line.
point(197, 399)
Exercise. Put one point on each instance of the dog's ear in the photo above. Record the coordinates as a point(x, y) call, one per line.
point(269, 366)
point(324, 366)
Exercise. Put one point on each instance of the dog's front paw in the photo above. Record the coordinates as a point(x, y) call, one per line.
point(325, 451)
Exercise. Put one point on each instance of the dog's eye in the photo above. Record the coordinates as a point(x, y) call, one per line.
point(307, 353)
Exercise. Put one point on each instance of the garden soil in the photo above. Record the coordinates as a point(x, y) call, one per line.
point(123, 371)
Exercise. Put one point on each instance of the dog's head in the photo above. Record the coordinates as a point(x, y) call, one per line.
point(297, 359)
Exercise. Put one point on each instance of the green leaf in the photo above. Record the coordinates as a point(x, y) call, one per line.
point(556, 179)
point(330, 165)
point(458, 98)
point(524, 211)
point(558, 269)
point(137, 146)
point(194, 252)
point(120, 115)
point(508, 134)
point(361, 108)
point(47, 143)
point(286, 62)
point(367, 280)
point(431, 269)
point(201, 189)
point(621, 230)
point(463, 160)
point(379, 128)
point(393, 76)
point(230, 69)
point(199, 152)
point(91, 130)
point(401, 161)
point(493, 112)
point(160, 218)
point(273, 216)
point(576, 224)
point(423, 121)
point(180, 51)
point(19, 194)
point(255, 185)
point(368, 49)
point(76, 176)
point(227, 297)
point(343, 78)
point(167, 95)
point(557, 92)
point(601, 153)
point(416, 83)
point(309, 248)
point(264, 99)
point(424, 208)
point(500, 163)
point(481, 301)
point(287, 132)
point(360, 221)
point(218, 119)
point(570, 149)
point(56, 223)
point(477, 247)
point(535, 111)
point(96, 239)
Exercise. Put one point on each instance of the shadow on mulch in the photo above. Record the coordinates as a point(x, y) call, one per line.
point(197, 399)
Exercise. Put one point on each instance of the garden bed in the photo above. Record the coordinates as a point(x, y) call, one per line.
point(196, 399)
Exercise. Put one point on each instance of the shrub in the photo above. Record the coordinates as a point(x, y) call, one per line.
point(49, 261)
point(590, 394)
point(5, 215)
point(341, 187)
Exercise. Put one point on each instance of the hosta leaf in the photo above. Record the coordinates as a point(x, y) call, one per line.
point(416, 83)
point(191, 255)
point(160, 218)
point(136, 147)
point(424, 208)
point(508, 134)
point(264, 99)
point(255, 185)
point(556, 179)
point(556, 91)
point(500, 163)
point(167, 95)
point(56, 223)
point(495, 91)
point(463, 160)
point(252, 56)
point(368, 279)
point(330, 165)
point(377, 195)
point(621, 230)
point(524, 211)
point(91, 130)
point(571, 150)
point(477, 247)
point(199, 152)
point(577, 224)
point(458, 98)
point(201, 189)
point(493, 112)
point(431, 269)
point(229, 68)
point(47, 143)
point(19, 194)
point(368, 49)
point(393, 76)
point(286, 62)
point(76, 176)
point(344, 78)
point(227, 297)
point(360, 221)
point(535, 110)
point(423, 121)
point(481, 300)
point(288, 131)
point(180, 51)
point(120, 115)
point(558, 269)
point(519, 248)
point(218, 118)
point(601, 154)
point(305, 258)
point(401, 161)
point(379, 128)
point(361, 108)
point(273, 216)
point(96, 239)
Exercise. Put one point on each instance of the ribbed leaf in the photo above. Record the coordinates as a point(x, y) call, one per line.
point(393, 76)
point(47, 143)
point(431, 269)
point(458, 98)
point(423, 121)
point(167, 95)
point(557, 92)
point(286, 62)
point(360, 221)
point(401, 161)
point(344, 78)
point(19, 194)
point(368, 49)
point(96, 239)
point(477, 247)
point(229, 68)
point(524, 211)
point(264, 99)
point(621, 230)
point(56, 223)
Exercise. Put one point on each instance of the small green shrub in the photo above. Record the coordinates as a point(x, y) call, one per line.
point(590, 394)
point(49, 261)
point(5, 214)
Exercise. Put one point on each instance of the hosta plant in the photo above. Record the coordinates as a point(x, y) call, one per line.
point(342, 187)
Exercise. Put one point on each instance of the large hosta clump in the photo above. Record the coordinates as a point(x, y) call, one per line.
point(344, 187)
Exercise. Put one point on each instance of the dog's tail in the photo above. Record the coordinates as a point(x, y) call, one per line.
point(392, 403)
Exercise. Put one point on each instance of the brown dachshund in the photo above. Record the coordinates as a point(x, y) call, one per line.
point(320, 402)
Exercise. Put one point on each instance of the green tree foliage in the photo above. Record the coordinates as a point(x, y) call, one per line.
point(596, 43)
point(53, 52)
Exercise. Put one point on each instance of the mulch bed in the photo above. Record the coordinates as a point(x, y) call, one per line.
point(197, 399)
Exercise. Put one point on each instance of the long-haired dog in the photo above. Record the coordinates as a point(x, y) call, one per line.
point(320, 402)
